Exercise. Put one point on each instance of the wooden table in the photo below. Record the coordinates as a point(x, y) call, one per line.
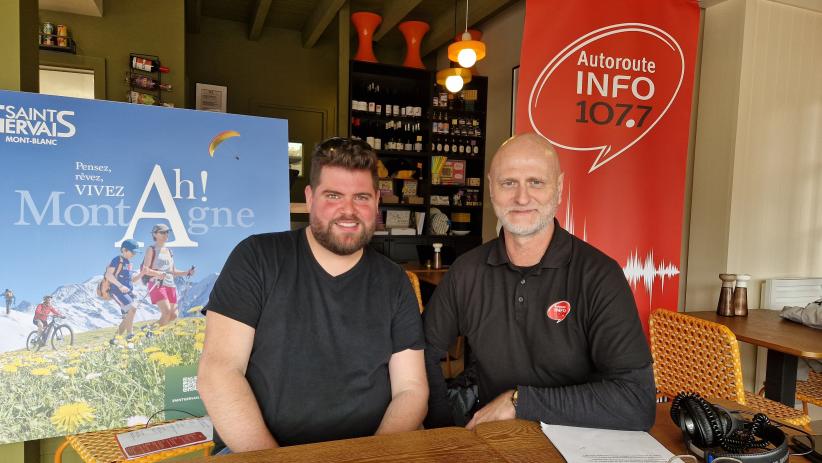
point(512, 441)
point(456, 445)
point(521, 441)
point(785, 340)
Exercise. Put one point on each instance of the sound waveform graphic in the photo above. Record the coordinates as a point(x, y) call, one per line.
point(637, 270)
point(569, 217)
point(647, 271)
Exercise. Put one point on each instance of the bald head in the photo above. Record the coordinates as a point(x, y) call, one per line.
point(525, 182)
point(526, 145)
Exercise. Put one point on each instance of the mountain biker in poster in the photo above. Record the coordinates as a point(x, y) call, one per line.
point(41, 315)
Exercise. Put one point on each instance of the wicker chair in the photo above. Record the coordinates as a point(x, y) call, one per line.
point(415, 283)
point(695, 355)
point(102, 447)
point(810, 391)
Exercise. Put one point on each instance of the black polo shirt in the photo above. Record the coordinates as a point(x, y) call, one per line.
point(569, 320)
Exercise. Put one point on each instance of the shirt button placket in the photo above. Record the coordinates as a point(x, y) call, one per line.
point(520, 297)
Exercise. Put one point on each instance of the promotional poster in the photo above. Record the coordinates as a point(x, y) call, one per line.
point(92, 187)
point(610, 85)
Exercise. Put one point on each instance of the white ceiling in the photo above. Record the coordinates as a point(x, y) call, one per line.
point(86, 7)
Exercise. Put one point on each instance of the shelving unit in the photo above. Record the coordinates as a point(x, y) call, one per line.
point(52, 42)
point(419, 127)
point(136, 92)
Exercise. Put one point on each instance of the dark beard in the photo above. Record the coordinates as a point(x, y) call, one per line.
point(326, 238)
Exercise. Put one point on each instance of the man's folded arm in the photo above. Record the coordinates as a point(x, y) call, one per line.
point(224, 388)
point(409, 393)
point(439, 408)
point(621, 400)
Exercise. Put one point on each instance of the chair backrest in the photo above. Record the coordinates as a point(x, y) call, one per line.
point(415, 283)
point(695, 355)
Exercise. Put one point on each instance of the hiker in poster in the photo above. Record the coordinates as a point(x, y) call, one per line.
point(158, 267)
point(9, 295)
point(119, 273)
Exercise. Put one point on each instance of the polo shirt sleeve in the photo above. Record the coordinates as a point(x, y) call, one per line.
point(406, 325)
point(238, 292)
point(441, 321)
point(614, 329)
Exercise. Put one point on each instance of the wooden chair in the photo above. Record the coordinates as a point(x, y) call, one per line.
point(415, 283)
point(695, 355)
point(101, 447)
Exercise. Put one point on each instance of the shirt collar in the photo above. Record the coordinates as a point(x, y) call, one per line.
point(557, 255)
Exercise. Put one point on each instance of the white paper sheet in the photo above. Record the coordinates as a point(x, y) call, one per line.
point(591, 445)
point(166, 436)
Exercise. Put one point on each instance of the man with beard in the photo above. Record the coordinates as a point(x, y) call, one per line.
point(551, 322)
point(310, 334)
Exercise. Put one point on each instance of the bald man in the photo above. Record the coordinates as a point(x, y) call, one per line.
point(550, 320)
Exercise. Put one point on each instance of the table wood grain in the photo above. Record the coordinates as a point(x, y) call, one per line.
point(521, 441)
point(456, 445)
point(767, 329)
point(512, 441)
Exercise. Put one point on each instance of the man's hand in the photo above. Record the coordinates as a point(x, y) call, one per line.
point(498, 409)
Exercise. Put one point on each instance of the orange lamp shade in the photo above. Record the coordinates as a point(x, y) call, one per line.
point(444, 75)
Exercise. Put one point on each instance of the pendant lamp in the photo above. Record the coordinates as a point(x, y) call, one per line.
point(453, 78)
point(467, 51)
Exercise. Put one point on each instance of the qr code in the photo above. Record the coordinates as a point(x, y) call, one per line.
point(189, 383)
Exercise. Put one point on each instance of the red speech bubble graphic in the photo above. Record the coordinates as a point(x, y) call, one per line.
point(587, 98)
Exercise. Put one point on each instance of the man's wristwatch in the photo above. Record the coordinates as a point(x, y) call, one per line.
point(515, 397)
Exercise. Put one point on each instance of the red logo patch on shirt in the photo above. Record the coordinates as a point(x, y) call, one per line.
point(559, 310)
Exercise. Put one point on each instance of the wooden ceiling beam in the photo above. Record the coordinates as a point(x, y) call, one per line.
point(319, 20)
point(194, 11)
point(392, 13)
point(442, 28)
point(258, 18)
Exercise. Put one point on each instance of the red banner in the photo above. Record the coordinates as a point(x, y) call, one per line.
point(610, 85)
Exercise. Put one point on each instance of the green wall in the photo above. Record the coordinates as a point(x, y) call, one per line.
point(18, 53)
point(273, 76)
point(155, 27)
point(275, 69)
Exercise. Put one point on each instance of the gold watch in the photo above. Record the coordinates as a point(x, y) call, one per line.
point(515, 397)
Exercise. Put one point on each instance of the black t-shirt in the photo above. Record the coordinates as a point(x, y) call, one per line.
point(517, 340)
point(319, 362)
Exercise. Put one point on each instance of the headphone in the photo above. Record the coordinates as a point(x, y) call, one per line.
point(711, 431)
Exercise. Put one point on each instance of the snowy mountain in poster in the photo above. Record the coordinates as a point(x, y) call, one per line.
point(85, 311)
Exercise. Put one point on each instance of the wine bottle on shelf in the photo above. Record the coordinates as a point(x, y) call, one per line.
point(146, 82)
point(147, 65)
